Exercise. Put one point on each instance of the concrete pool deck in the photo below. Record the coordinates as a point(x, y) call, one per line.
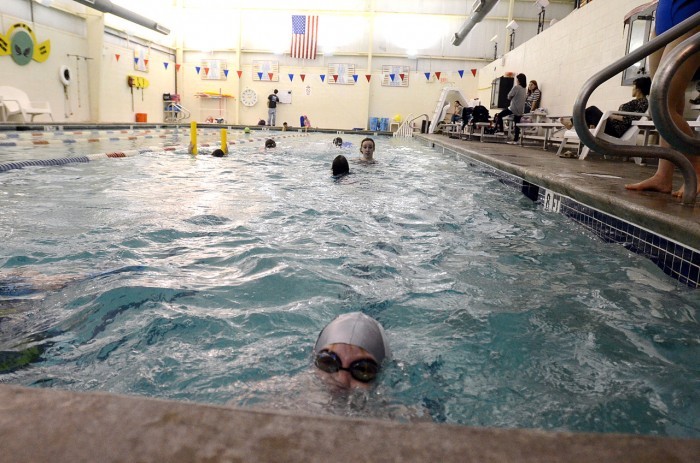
point(596, 182)
point(63, 426)
point(40, 425)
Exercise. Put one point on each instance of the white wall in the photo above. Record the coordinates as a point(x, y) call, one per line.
point(560, 59)
point(565, 55)
point(41, 81)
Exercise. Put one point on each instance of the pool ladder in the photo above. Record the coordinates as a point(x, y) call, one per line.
point(682, 143)
point(406, 129)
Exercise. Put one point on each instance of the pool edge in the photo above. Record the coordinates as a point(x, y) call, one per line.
point(65, 426)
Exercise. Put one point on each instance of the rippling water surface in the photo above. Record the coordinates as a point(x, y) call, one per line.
point(208, 279)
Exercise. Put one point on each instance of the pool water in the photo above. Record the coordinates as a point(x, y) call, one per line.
point(208, 279)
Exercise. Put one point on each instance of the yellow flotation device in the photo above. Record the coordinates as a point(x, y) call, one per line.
point(137, 82)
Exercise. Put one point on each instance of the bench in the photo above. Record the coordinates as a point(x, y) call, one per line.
point(546, 127)
point(14, 101)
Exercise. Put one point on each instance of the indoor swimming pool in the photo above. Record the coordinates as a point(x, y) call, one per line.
point(208, 279)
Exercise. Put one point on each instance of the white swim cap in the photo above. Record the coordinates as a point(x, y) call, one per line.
point(357, 329)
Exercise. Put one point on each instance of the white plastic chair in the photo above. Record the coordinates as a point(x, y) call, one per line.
point(627, 138)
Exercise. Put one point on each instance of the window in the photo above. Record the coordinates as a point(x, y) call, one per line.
point(638, 34)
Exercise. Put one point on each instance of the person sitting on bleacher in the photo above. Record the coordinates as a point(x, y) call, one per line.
point(480, 114)
point(457, 114)
point(467, 113)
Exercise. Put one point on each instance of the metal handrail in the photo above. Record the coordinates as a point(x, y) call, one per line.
point(665, 121)
point(660, 90)
point(405, 129)
point(422, 115)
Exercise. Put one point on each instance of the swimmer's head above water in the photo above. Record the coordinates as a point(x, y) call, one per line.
point(350, 350)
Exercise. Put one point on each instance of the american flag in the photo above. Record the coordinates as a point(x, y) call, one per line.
point(304, 36)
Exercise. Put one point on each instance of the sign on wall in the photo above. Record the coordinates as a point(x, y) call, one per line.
point(141, 59)
point(214, 69)
point(395, 76)
point(266, 71)
point(339, 73)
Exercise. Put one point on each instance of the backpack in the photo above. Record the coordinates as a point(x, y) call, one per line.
point(480, 114)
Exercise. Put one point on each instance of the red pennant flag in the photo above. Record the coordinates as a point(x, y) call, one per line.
point(369, 76)
point(177, 67)
point(335, 77)
point(402, 75)
point(269, 74)
point(239, 73)
point(206, 71)
point(303, 76)
point(145, 62)
point(437, 74)
point(474, 72)
point(117, 55)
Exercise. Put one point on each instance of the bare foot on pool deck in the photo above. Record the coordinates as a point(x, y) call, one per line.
point(679, 193)
point(650, 184)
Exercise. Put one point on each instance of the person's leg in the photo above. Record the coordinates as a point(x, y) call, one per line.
point(593, 116)
point(662, 180)
point(516, 121)
point(501, 115)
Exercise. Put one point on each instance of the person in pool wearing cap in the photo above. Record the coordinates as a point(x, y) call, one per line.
point(350, 349)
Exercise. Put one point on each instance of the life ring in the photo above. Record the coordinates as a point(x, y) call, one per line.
point(65, 76)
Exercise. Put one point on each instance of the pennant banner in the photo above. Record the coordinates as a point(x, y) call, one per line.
point(323, 77)
point(369, 76)
point(239, 73)
point(166, 65)
point(461, 73)
point(260, 75)
point(437, 74)
point(354, 76)
point(392, 76)
point(474, 72)
point(117, 55)
point(291, 77)
point(427, 76)
point(226, 72)
point(197, 68)
point(177, 67)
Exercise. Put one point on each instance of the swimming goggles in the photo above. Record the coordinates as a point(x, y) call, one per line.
point(364, 370)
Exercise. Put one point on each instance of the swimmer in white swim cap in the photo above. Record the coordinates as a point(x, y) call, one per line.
point(350, 350)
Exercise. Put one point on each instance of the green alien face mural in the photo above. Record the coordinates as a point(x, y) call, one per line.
point(22, 47)
point(20, 42)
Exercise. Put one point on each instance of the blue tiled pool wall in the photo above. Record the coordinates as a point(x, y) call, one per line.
point(674, 259)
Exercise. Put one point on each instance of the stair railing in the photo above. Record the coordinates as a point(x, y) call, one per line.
point(405, 129)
